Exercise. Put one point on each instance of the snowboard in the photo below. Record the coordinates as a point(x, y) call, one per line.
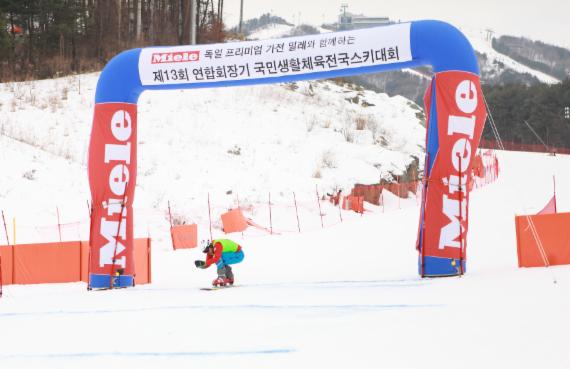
point(217, 288)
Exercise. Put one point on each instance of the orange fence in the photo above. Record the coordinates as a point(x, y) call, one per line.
point(354, 203)
point(516, 146)
point(543, 240)
point(184, 236)
point(485, 169)
point(62, 262)
point(233, 221)
point(372, 193)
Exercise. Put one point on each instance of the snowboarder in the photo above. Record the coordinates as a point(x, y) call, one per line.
point(221, 252)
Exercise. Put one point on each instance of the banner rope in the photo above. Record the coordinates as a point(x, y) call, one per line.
point(493, 125)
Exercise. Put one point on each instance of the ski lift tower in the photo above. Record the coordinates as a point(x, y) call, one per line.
point(344, 16)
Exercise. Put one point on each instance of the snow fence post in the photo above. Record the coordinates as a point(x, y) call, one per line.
point(270, 220)
point(123, 202)
point(170, 220)
point(5, 228)
point(296, 212)
point(319, 202)
point(58, 223)
point(210, 216)
point(460, 218)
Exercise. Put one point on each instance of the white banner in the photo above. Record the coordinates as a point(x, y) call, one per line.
point(275, 58)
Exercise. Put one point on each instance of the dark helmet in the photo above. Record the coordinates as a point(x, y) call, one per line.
point(206, 244)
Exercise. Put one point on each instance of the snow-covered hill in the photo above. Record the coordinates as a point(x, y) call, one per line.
point(494, 63)
point(497, 62)
point(233, 143)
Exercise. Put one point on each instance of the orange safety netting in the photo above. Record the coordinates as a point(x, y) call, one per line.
point(61, 262)
point(354, 203)
point(543, 240)
point(372, 193)
point(549, 208)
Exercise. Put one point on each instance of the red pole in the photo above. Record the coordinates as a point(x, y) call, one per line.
point(170, 220)
point(5, 228)
point(296, 212)
point(0, 275)
point(169, 214)
point(319, 202)
point(58, 223)
point(399, 193)
point(422, 224)
point(89, 250)
point(210, 216)
point(339, 208)
point(116, 238)
point(270, 220)
point(460, 219)
point(554, 182)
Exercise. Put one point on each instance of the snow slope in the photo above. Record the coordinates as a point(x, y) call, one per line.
point(271, 31)
point(344, 297)
point(483, 46)
point(233, 143)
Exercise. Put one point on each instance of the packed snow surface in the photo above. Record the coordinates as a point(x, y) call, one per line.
point(342, 295)
point(347, 296)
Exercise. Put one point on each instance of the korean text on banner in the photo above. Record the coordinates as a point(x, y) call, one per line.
point(275, 58)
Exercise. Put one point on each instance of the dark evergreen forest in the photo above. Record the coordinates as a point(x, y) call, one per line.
point(49, 38)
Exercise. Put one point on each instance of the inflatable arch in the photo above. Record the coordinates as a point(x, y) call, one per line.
point(454, 106)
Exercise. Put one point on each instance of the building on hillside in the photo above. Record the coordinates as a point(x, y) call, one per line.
point(347, 20)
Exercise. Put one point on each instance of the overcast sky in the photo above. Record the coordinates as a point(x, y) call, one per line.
point(545, 20)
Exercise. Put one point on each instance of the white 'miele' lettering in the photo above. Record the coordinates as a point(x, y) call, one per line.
point(466, 100)
point(466, 96)
point(118, 178)
point(121, 125)
point(463, 125)
point(115, 230)
point(450, 233)
point(110, 230)
point(453, 184)
point(114, 206)
point(461, 154)
point(118, 153)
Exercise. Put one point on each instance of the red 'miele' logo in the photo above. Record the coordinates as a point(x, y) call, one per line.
point(175, 57)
